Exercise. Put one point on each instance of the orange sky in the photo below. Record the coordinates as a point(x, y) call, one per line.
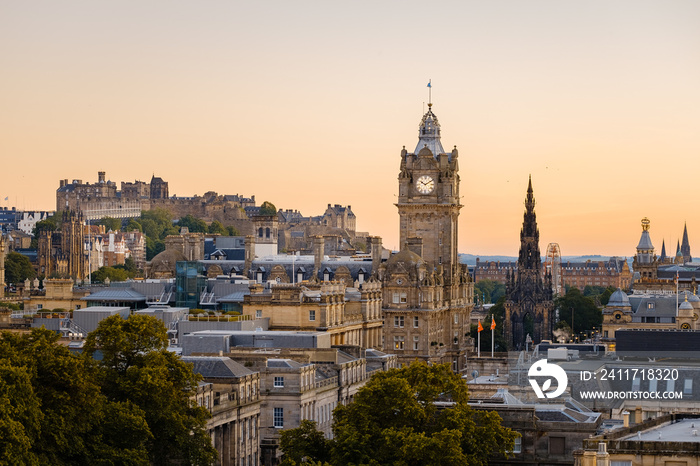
point(308, 103)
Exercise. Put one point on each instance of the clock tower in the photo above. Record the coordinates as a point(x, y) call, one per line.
point(427, 294)
point(429, 197)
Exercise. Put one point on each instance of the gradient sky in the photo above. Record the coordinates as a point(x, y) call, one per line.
point(305, 103)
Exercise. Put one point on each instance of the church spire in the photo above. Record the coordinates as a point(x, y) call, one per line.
point(663, 251)
point(685, 245)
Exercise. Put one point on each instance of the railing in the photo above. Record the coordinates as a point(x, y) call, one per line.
point(208, 318)
point(325, 383)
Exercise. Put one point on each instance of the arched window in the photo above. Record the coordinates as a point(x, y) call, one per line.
point(260, 232)
point(267, 233)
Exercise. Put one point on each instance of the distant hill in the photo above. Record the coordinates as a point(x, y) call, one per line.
point(470, 259)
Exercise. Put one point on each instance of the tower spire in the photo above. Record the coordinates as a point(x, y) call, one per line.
point(685, 245)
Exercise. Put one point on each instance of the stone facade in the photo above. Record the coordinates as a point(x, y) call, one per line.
point(352, 316)
point(427, 293)
point(63, 252)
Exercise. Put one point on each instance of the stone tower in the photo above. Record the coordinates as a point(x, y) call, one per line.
point(429, 201)
point(427, 294)
point(685, 246)
point(529, 306)
point(645, 261)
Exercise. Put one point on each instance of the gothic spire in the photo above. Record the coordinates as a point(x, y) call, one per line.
point(663, 251)
point(685, 246)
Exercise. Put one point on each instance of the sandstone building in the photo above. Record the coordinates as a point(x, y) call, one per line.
point(427, 293)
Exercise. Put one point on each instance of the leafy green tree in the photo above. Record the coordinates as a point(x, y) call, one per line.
point(586, 314)
point(193, 224)
point(114, 274)
point(303, 444)
point(110, 223)
point(489, 291)
point(605, 295)
point(63, 416)
point(233, 231)
point(136, 367)
point(217, 227)
point(268, 208)
point(394, 420)
point(133, 225)
point(154, 247)
point(18, 268)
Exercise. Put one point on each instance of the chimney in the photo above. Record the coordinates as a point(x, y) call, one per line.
point(625, 418)
point(249, 254)
point(375, 249)
point(319, 244)
point(415, 245)
point(61, 183)
point(101, 177)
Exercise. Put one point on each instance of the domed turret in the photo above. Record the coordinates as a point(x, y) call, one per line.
point(429, 133)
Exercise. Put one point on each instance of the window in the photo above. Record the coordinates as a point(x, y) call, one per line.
point(650, 306)
point(652, 385)
point(258, 314)
point(398, 321)
point(456, 319)
point(278, 418)
point(416, 322)
point(395, 299)
point(398, 343)
point(300, 277)
point(279, 382)
point(416, 342)
point(670, 385)
point(403, 298)
point(688, 387)
point(518, 445)
point(635, 384)
point(39, 306)
point(312, 315)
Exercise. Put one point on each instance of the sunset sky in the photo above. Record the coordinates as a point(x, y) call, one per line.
point(305, 103)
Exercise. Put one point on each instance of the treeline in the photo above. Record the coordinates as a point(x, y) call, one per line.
point(134, 406)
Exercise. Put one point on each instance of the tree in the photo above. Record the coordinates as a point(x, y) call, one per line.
point(110, 223)
point(489, 291)
point(268, 208)
point(302, 443)
point(394, 420)
point(233, 231)
point(217, 227)
point(54, 412)
point(193, 224)
point(133, 225)
point(114, 274)
point(586, 314)
point(18, 268)
point(137, 368)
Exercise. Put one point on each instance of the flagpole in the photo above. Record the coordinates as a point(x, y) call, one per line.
point(478, 345)
point(492, 342)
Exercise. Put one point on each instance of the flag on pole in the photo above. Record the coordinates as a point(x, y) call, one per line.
point(493, 323)
point(7, 198)
point(430, 85)
point(480, 328)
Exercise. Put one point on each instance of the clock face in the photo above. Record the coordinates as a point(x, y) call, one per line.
point(425, 184)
